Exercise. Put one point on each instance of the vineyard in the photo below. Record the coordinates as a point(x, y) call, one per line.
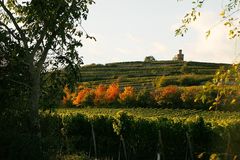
point(144, 133)
point(141, 74)
point(218, 117)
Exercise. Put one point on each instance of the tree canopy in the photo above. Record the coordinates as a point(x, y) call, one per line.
point(149, 59)
point(35, 36)
point(48, 33)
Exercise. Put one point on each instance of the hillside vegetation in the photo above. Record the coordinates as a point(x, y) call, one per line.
point(215, 117)
point(143, 133)
point(144, 74)
point(185, 85)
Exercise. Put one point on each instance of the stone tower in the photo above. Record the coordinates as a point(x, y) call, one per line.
point(180, 56)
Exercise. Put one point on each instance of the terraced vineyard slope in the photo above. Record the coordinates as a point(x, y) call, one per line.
point(143, 74)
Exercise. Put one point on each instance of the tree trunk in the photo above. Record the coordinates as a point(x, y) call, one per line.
point(34, 113)
point(34, 98)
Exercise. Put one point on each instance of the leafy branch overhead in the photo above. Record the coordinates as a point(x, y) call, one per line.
point(224, 87)
point(43, 26)
point(227, 16)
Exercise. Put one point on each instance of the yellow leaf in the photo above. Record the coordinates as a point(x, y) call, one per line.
point(233, 101)
point(222, 13)
point(208, 33)
point(231, 34)
point(228, 24)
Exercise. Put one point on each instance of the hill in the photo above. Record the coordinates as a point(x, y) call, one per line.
point(144, 74)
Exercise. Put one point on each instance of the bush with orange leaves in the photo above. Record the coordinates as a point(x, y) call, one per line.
point(127, 97)
point(67, 98)
point(169, 96)
point(84, 97)
point(112, 93)
point(99, 99)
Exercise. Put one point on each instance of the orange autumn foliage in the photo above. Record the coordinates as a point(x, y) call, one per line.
point(81, 96)
point(99, 94)
point(68, 95)
point(169, 96)
point(128, 93)
point(112, 93)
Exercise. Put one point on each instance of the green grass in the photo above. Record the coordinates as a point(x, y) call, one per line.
point(214, 117)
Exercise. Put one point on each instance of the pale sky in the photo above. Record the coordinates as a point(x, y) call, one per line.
point(130, 30)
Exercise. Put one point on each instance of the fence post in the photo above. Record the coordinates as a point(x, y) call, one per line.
point(161, 148)
point(124, 147)
point(189, 147)
point(228, 147)
point(94, 142)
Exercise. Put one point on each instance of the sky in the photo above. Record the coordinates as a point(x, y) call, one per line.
point(130, 30)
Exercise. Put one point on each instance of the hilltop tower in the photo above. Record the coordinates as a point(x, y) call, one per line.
point(180, 56)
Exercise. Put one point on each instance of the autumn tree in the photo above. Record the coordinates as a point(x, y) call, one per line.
point(127, 97)
point(100, 92)
point(112, 93)
point(81, 96)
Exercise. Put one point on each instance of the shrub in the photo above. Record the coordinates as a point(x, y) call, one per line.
point(188, 80)
point(219, 97)
point(112, 93)
point(67, 99)
point(127, 97)
point(182, 80)
point(188, 97)
point(88, 99)
point(83, 96)
point(145, 99)
point(207, 95)
point(164, 81)
point(168, 97)
point(225, 87)
point(193, 80)
point(100, 92)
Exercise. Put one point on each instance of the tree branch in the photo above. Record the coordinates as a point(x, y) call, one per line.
point(51, 38)
point(9, 30)
point(15, 23)
point(44, 31)
point(45, 51)
point(54, 33)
